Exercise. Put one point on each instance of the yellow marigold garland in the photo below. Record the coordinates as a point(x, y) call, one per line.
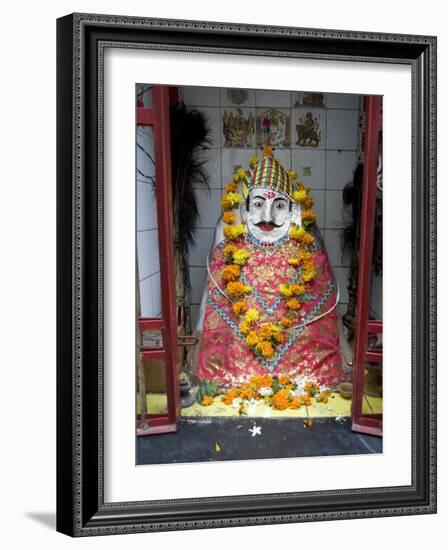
point(279, 392)
point(263, 337)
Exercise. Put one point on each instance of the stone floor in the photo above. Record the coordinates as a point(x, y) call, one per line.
point(204, 439)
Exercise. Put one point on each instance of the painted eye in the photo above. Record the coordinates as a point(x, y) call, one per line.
point(280, 205)
point(258, 204)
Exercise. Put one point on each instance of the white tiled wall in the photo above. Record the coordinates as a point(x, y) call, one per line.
point(146, 217)
point(326, 169)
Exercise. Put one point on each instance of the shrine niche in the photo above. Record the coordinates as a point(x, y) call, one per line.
point(249, 325)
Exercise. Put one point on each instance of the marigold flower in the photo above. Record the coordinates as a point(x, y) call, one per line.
point(229, 396)
point(283, 379)
point(253, 160)
point(307, 239)
point(231, 272)
point(265, 331)
point(297, 289)
point(308, 216)
point(293, 303)
point(240, 256)
point(296, 232)
point(229, 217)
point(261, 381)
point(239, 307)
point(207, 400)
point(292, 174)
point(266, 349)
point(233, 232)
point(230, 200)
point(280, 400)
point(308, 203)
point(237, 288)
point(245, 327)
point(267, 151)
point(300, 196)
point(252, 339)
point(305, 256)
point(293, 261)
point(285, 290)
point(308, 273)
point(277, 335)
point(252, 316)
point(231, 187)
point(285, 322)
point(229, 250)
point(240, 174)
point(296, 403)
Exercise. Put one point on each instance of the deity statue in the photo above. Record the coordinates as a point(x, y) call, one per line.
point(269, 306)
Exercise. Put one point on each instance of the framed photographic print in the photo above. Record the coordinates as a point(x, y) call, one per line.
point(246, 274)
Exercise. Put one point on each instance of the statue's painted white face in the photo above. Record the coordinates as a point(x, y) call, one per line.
point(270, 214)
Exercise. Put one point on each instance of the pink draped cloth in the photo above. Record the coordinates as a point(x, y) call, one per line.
point(311, 347)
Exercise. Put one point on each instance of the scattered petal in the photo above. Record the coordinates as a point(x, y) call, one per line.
point(217, 447)
point(256, 430)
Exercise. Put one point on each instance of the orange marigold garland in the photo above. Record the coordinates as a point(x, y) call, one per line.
point(264, 337)
point(279, 392)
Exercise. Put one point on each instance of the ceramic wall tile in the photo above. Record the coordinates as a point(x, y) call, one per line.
point(156, 294)
point(342, 129)
point(146, 206)
point(342, 277)
point(237, 97)
point(308, 128)
point(200, 96)
point(150, 296)
point(194, 312)
point(212, 167)
point(308, 99)
point(340, 167)
point(272, 98)
point(198, 252)
point(273, 127)
point(343, 101)
point(334, 208)
point(147, 253)
point(231, 160)
point(333, 244)
point(209, 205)
point(146, 298)
point(310, 167)
point(198, 280)
point(238, 127)
point(145, 155)
point(212, 116)
point(284, 156)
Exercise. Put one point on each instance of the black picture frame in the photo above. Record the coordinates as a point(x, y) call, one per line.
point(81, 510)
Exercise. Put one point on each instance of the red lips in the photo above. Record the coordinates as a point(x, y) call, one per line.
point(266, 226)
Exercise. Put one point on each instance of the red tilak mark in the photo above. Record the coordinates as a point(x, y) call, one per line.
point(269, 194)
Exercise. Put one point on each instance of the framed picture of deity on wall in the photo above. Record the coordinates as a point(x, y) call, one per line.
point(246, 274)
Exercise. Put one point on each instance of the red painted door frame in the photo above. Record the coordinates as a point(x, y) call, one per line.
point(371, 423)
point(158, 116)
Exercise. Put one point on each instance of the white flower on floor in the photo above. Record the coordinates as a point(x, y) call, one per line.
point(267, 412)
point(256, 430)
point(265, 391)
point(252, 405)
point(236, 403)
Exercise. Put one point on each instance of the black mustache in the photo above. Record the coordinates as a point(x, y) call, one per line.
point(267, 223)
